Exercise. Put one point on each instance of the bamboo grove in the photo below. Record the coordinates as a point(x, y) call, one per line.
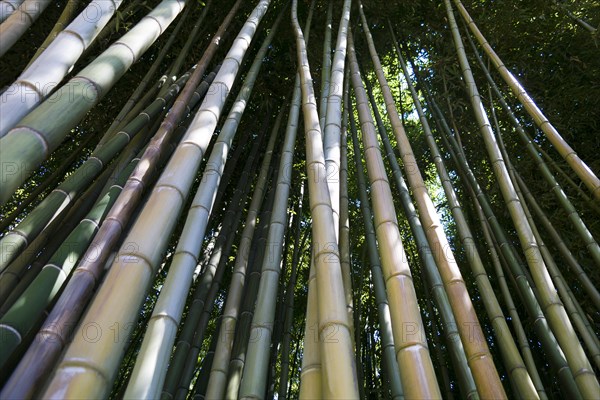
point(299, 199)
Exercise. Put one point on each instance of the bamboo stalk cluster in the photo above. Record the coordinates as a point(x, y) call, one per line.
point(203, 248)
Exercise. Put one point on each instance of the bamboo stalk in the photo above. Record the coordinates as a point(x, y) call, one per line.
point(515, 319)
point(167, 313)
point(49, 182)
point(217, 384)
point(21, 317)
point(326, 65)
point(65, 18)
point(43, 129)
point(57, 236)
point(19, 21)
point(572, 263)
point(409, 333)
point(258, 252)
point(383, 308)
point(581, 168)
point(289, 299)
point(550, 302)
point(590, 340)
point(344, 228)
point(338, 365)
point(134, 102)
point(39, 79)
point(332, 131)
point(434, 280)
point(519, 275)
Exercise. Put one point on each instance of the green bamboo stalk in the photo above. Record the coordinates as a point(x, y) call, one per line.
point(589, 339)
point(525, 385)
point(39, 79)
point(19, 21)
point(390, 365)
point(33, 369)
point(26, 231)
point(549, 300)
point(410, 344)
point(571, 262)
point(57, 236)
point(49, 182)
point(580, 227)
point(338, 363)
point(258, 252)
point(60, 324)
point(43, 129)
point(581, 168)
point(434, 279)
point(21, 317)
point(133, 269)
point(554, 165)
point(212, 285)
point(151, 360)
point(190, 339)
point(344, 228)
point(202, 382)
point(167, 313)
point(190, 362)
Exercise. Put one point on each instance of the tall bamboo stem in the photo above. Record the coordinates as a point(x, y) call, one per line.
point(409, 333)
point(383, 307)
point(337, 361)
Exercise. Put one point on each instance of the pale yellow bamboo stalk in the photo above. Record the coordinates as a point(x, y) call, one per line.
point(409, 332)
point(584, 172)
point(479, 358)
point(333, 117)
point(546, 292)
point(337, 357)
point(332, 131)
point(310, 376)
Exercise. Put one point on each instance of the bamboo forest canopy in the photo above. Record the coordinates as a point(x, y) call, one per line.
point(299, 199)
